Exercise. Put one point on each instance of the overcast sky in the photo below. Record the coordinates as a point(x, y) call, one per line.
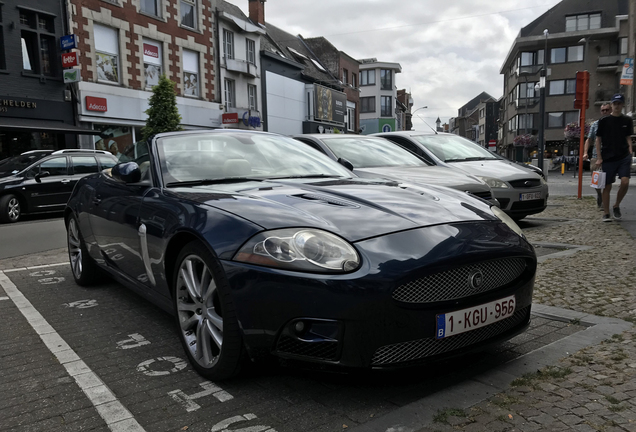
point(449, 50)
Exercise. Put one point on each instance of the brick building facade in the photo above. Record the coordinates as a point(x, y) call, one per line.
point(125, 45)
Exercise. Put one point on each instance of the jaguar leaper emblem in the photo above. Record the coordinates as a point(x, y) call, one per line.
point(476, 279)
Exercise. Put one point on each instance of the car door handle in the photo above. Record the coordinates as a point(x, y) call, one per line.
point(65, 181)
point(96, 201)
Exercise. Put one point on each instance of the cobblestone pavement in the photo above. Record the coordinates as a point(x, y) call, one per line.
point(591, 390)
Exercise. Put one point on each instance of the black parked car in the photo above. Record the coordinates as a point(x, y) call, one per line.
point(260, 245)
point(42, 180)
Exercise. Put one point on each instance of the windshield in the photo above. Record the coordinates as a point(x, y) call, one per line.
point(371, 152)
point(453, 148)
point(235, 155)
point(15, 164)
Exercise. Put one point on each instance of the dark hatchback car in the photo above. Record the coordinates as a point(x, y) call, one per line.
point(373, 157)
point(42, 180)
point(260, 246)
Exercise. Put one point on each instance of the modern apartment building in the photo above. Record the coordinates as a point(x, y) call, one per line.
point(378, 94)
point(582, 35)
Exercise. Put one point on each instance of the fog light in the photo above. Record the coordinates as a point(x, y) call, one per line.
point(299, 327)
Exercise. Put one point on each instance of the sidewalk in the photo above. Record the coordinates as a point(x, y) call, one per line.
point(591, 390)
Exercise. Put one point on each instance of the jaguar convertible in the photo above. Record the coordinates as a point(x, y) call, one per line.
point(260, 246)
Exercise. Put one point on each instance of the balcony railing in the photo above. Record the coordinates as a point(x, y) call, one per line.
point(527, 102)
point(241, 66)
point(529, 70)
point(611, 60)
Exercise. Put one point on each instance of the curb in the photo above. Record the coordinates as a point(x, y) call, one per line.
point(416, 415)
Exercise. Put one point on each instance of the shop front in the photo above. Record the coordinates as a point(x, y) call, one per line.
point(244, 119)
point(36, 124)
point(327, 110)
point(118, 115)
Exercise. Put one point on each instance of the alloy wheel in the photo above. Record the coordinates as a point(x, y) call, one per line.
point(14, 209)
point(198, 308)
point(74, 248)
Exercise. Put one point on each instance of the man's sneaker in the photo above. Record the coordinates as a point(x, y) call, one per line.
point(617, 213)
point(607, 218)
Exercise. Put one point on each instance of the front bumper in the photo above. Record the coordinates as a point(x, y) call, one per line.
point(358, 320)
point(511, 203)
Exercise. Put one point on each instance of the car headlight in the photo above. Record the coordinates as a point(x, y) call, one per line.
point(507, 220)
point(300, 249)
point(494, 182)
point(543, 182)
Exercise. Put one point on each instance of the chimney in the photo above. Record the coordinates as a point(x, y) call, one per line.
point(257, 11)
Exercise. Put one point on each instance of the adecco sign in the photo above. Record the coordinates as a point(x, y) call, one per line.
point(96, 104)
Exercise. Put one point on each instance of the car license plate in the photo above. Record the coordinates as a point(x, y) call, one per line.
point(452, 323)
point(529, 196)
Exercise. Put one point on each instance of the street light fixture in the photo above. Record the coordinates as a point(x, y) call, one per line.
point(413, 112)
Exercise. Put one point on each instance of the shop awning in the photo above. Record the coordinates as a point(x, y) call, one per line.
point(33, 125)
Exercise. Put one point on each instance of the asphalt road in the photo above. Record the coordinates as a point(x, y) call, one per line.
point(34, 235)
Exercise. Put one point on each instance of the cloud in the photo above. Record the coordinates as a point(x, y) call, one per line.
point(450, 51)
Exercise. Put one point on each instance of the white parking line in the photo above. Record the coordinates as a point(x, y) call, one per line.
point(116, 416)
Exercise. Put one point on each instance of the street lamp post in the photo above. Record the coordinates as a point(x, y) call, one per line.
point(542, 82)
point(413, 113)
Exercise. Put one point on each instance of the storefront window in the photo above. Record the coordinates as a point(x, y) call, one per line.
point(114, 138)
point(15, 143)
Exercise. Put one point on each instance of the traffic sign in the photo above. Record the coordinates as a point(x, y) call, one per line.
point(581, 99)
point(68, 42)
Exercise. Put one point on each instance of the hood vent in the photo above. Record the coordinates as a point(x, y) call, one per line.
point(323, 199)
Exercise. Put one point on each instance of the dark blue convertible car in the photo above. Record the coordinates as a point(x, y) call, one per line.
point(260, 245)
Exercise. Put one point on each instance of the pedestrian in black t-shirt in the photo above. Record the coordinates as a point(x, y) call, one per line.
point(614, 149)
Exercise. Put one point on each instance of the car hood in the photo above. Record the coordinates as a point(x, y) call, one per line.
point(496, 168)
point(434, 175)
point(355, 209)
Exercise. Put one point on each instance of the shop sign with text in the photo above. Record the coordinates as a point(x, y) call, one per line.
point(151, 51)
point(96, 104)
point(230, 118)
point(70, 59)
point(68, 42)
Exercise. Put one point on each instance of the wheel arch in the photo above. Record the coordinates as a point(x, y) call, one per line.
point(174, 247)
point(24, 205)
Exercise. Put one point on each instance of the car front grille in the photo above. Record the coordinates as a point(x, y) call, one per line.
point(322, 350)
point(525, 183)
point(486, 195)
point(456, 283)
point(422, 348)
point(528, 205)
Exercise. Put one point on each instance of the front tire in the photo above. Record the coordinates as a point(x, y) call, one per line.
point(10, 210)
point(206, 317)
point(83, 267)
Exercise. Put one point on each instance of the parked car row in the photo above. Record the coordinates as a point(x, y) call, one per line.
point(41, 180)
point(343, 250)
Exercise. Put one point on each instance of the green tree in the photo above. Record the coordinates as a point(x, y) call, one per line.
point(163, 114)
